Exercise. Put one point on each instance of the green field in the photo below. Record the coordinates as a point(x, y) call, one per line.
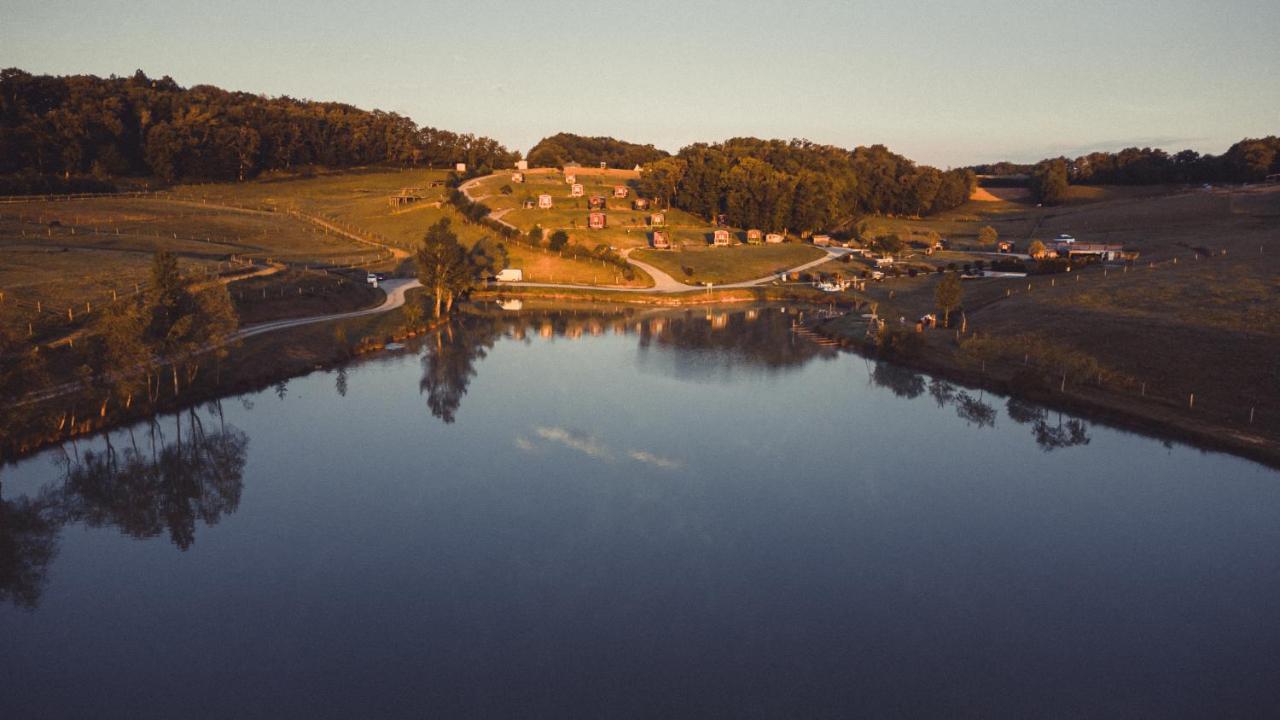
point(737, 263)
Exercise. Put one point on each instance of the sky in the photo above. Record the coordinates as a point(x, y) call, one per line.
point(944, 83)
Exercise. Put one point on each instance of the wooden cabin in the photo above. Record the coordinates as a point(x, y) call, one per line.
point(517, 177)
point(822, 240)
point(570, 179)
point(755, 237)
point(604, 166)
point(544, 201)
point(661, 240)
point(774, 238)
point(620, 191)
point(721, 237)
point(657, 219)
point(596, 202)
point(460, 167)
point(1004, 246)
point(529, 204)
point(596, 220)
point(575, 190)
point(640, 204)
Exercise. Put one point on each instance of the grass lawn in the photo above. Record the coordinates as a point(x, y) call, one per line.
point(728, 264)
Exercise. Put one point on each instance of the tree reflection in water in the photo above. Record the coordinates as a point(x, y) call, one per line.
point(1064, 434)
point(449, 362)
point(168, 487)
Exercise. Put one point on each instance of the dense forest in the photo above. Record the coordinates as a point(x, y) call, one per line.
point(563, 148)
point(1250, 160)
point(799, 185)
point(100, 128)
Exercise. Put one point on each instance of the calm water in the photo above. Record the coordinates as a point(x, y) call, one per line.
point(643, 515)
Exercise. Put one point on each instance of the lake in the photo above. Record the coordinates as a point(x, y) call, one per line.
point(635, 514)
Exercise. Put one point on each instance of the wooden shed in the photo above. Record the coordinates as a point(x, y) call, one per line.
point(640, 204)
point(822, 240)
point(517, 177)
point(544, 201)
point(774, 238)
point(755, 237)
point(596, 220)
point(595, 202)
point(661, 240)
point(460, 167)
point(721, 237)
point(522, 165)
point(620, 191)
point(570, 178)
point(575, 190)
point(658, 219)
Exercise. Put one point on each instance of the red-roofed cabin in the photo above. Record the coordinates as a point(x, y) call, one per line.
point(720, 237)
point(661, 240)
point(596, 221)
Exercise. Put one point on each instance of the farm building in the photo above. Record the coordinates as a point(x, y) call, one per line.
point(660, 240)
point(755, 237)
point(619, 191)
point(774, 238)
point(460, 167)
point(544, 201)
point(570, 179)
point(575, 190)
point(596, 220)
point(640, 204)
point(658, 219)
point(1104, 251)
point(406, 196)
point(517, 177)
point(822, 240)
point(522, 165)
point(720, 237)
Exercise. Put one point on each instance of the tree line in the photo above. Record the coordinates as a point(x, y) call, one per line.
point(83, 125)
point(1249, 160)
point(562, 148)
point(799, 185)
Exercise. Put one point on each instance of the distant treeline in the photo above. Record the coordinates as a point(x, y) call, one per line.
point(563, 148)
point(799, 185)
point(84, 125)
point(1249, 160)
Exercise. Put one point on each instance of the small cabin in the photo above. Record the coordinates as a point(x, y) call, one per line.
point(460, 167)
point(620, 191)
point(1004, 246)
point(517, 177)
point(544, 201)
point(658, 219)
point(755, 237)
point(575, 190)
point(595, 202)
point(529, 204)
point(720, 237)
point(522, 165)
point(640, 204)
point(822, 240)
point(596, 221)
point(604, 166)
point(570, 179)
point(773, 238)
point(661, 240)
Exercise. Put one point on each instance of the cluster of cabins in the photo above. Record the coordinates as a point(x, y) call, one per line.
point(1066, 246)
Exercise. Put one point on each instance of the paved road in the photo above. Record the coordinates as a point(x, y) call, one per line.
point(395, 290)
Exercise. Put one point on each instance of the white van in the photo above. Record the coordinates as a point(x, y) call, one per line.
point(372, 279)
point(510, 275)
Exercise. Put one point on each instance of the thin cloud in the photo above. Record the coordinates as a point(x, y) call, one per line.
point(649, 458)
point(523, 444)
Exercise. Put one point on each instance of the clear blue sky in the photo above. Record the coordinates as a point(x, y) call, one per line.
point(946, 83)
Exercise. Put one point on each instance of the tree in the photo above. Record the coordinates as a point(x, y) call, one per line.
point(988, 235)
point(1049, 181)
point(535, 234)
point(438, 259)
point(948, 295)
point(890, 244)
point(558, 240)
point(1036, 249)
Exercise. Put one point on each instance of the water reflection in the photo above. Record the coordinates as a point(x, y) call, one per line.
point(158, 487)
point(448, 363)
